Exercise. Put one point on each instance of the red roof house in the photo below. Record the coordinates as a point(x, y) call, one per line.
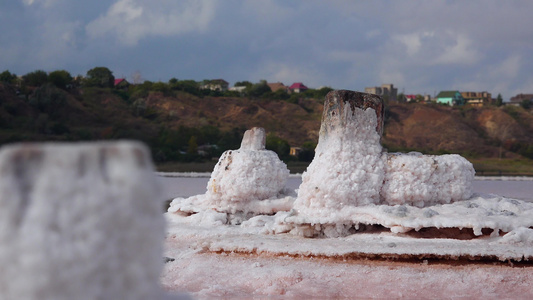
point(121, 83)
point(298, 87)
point(410, 98)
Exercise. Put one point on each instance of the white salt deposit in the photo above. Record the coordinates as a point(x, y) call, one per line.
point(423, 180)
point(348, 168)
point(508, 221)
point(351, 193)
point(77, 222)
point(250, 179)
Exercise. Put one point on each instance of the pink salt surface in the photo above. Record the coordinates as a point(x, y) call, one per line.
point(203, 269)
point(207, 275)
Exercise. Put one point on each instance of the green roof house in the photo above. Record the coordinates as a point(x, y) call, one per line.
point(451, 98)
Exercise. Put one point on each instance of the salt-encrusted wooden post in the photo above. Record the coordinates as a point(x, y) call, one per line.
point(347, 169)
point(79, 221)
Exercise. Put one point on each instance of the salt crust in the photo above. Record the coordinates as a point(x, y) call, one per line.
point(256, 235)
point(481, 211)
point(75, 222)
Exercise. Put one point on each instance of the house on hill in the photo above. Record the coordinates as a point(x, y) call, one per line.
point(517, 100)
point(298, 87)
point(477, 98)
point(239, 89)
point(121, 83)
point(386, 91)
point(451, 98)
point(220, 85)
point(410, 98)
point(277, 86)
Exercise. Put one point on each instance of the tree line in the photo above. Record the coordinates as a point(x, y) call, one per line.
point(47, 94)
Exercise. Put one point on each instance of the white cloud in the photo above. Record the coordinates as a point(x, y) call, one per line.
point(461, 52)
point(502, 77)
point(131, 20)
point(412, 41)
point(510, 67)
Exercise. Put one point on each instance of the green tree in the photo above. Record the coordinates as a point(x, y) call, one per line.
point(35, 78)
point(258, 89)
point(231, 139)
point(321, 93)
point(244, 83)
point(401, 98)
point(60, 78)
point(526, 104)
point(7, 77)
point(278, 145)
point(499, 100)
point(188, 86)
point(48, 99)
point(192, 145)
point(100, 77)
point(281, 94)
point(160, 87)
point(308, 151)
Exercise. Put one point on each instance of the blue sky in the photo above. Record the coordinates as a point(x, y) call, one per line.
point(419, 46)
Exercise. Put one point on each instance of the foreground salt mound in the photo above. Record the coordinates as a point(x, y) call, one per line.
point(250, 180)
point(79, 221)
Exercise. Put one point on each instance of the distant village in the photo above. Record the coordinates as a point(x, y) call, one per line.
point(389, 93)
point(100, 76)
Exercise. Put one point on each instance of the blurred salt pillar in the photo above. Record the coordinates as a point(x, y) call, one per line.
point(79, 221)
point(348, 168)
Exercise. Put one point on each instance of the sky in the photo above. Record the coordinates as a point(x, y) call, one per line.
point(419, 46)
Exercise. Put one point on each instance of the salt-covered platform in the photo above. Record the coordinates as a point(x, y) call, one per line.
point(373, 242)
point(355, 200)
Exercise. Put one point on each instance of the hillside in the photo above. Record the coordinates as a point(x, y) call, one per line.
point(481, 132)
point(175, 123)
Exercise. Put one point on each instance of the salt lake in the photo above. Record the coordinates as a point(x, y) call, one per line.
point(185, 185)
